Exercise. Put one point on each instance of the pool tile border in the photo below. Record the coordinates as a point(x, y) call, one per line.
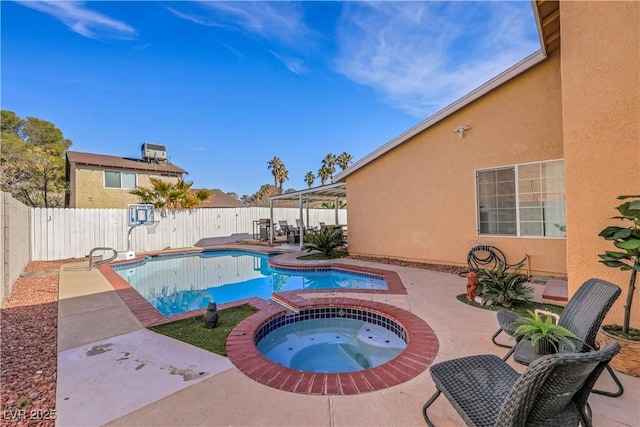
point(422, 348)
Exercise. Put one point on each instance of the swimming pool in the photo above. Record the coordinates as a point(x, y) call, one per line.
point(174, 284)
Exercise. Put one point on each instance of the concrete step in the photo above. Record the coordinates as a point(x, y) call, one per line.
point(556, 290)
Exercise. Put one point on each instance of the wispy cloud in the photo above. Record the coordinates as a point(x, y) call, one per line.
point(293, 64)
point(82, 20)
point(423, 56)
point(281, 23)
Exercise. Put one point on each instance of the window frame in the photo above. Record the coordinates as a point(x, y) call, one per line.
point(515, 167)
point(120, 180)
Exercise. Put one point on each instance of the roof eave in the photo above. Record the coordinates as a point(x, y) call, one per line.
point(324, 192)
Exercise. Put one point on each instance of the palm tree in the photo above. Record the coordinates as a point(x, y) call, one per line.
point(283, 175)
point(330, 162)
point(166, 196)
point(344, 160)
point(324, 173)
point(309, 178)
point(276, 166)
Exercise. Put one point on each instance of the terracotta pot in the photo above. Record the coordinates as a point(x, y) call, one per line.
point(628, 360)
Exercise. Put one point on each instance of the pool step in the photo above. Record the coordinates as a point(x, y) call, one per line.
point(284, 303)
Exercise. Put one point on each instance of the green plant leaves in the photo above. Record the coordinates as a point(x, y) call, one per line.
point(324, 241)
point(534, 327)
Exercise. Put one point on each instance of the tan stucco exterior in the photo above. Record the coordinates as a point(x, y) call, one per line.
point(601, 118)
point(418, 201)
point(89, 190)
point(581, 104)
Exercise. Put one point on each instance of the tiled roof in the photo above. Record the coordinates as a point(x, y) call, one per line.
point(121, 162)
point(219, 199)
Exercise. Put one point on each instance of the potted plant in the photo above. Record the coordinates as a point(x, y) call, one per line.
point(626, 239)
point(545, 335)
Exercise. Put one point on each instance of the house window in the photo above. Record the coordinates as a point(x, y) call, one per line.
point(119, 179)
point(522, 200)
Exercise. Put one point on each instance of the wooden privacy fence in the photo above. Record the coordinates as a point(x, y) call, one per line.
point(72, 233)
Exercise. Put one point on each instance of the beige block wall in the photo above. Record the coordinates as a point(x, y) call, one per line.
point(90, 191)
point(417, 202)
point(601, 104)
point(15, 230)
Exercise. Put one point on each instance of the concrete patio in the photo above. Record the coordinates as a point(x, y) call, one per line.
point(112, 371)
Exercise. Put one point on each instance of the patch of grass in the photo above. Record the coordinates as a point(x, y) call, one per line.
point(194, 332)
point(334, 255)
point(518, 307)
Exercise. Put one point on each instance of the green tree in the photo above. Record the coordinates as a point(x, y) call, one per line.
point(309, 178)
point(32, 160)
point(324, 173)
point(332, 205)
point(283, 176)
point(261, 197)
point(279, 172)
point(344, 160)
point(329, 162)
point(167, 196)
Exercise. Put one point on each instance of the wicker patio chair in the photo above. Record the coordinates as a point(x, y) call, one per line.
point(553, 390)
point(583, 316)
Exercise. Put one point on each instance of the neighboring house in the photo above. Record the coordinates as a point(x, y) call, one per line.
point(219, 199)
point(549, 145)
point(101, 181)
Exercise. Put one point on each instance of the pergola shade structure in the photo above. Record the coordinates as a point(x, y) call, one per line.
point(332, 192)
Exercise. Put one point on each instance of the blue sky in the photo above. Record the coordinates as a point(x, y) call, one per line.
point(228, 85)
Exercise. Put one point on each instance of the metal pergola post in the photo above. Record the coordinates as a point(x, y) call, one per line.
point(271, 228)
point(301, 224)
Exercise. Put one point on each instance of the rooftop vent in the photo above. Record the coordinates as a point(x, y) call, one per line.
point(154, 152)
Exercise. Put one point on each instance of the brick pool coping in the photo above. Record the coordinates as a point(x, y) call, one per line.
point(422, 342)
point(422, 348)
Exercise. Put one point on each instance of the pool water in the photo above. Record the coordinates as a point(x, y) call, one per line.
point(179, 283)
point(334, 345)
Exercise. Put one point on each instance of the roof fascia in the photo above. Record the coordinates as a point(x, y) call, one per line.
point(536, 14)
point(500, 79)
point(294, 195)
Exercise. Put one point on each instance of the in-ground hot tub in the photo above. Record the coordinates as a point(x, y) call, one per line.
point(331, 339)
point(420, 351)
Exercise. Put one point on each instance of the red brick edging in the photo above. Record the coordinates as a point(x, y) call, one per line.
point(422, 348)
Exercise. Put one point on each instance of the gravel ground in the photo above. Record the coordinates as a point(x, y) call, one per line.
point(28, 347)
point(442, 268)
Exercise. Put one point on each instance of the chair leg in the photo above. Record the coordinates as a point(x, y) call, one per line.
point(493, 338)
point(618, 383)
point(509, 353)
point(426, 405)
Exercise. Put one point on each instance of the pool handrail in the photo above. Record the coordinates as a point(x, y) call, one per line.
point(114, 256)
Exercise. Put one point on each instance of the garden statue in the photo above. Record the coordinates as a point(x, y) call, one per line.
point(472, 278)
point(211, 316)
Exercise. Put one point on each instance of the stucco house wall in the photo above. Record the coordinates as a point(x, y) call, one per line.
point(90, 190)
point(418, 201)
point(601, 117)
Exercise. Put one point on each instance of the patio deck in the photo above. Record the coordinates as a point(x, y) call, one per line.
point(112, 371)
